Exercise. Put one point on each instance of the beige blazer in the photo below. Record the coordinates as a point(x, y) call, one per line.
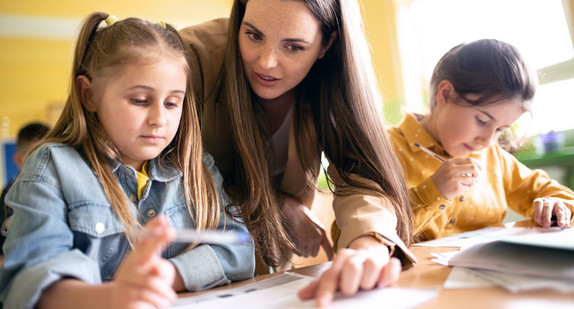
point(356, 215)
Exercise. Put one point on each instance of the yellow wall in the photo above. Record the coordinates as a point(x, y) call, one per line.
point(35, 71)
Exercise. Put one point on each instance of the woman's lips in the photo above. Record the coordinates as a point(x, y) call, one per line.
point(266, 80)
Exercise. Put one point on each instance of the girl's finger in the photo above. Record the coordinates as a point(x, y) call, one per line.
point(156, 235)
point(547, 206)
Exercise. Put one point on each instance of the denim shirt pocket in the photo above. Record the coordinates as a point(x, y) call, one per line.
point(98, 233)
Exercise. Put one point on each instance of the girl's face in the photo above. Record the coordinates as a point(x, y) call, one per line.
point(279, 42)
point(462, 128)
point(140, 107)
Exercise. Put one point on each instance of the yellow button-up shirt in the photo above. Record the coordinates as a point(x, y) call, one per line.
point(504, 183)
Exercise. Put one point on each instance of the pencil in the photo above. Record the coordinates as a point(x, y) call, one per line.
point(206, 237)
point(434, 155)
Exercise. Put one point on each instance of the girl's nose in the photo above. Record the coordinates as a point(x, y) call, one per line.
point(156, 115)
point(488, 138)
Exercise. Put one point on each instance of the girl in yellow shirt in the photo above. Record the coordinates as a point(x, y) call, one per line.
point(477, 90)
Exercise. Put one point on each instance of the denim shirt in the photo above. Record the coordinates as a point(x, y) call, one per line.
point(64, 227)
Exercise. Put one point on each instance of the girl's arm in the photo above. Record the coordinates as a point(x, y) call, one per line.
point(39, 248)
point(533, 194)
point(207, 266)
point(143, 280)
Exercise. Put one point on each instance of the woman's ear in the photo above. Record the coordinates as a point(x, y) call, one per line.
point(445, 90)
point(326, 48)
point(85, 92)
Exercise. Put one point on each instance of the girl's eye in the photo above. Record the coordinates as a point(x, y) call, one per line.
point(138, 101)
point(483, 123)
point(171, 105)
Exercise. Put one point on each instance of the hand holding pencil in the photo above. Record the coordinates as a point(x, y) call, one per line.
point(455, 175)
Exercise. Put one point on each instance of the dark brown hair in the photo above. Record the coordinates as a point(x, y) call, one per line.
point(340, 94)
point(490, 68)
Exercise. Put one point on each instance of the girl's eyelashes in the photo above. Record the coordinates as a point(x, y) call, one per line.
point(482, 123)
point(138, 101)
point(171, 105)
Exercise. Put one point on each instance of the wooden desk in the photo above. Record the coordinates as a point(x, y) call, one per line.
point(430, 274)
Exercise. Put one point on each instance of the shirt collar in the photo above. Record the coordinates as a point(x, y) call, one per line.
point(156, 172)
point(414, 132)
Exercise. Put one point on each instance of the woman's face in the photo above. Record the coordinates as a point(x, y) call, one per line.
point(279, 42)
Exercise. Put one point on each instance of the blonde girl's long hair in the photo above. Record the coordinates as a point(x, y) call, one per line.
point(99, 52)
point(340, 93)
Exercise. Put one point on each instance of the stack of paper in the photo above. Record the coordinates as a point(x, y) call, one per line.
point(525, 259)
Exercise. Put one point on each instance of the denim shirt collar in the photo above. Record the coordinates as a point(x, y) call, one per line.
point(163, 172)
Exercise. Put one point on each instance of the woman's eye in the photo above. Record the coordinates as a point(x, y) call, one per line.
point(253, 36)
point(295, 48)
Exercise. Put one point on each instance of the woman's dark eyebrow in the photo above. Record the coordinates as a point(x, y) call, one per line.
point(252, 26)
point(297, 40)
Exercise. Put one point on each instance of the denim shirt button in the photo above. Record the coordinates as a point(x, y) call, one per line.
point(100, 227)
point(134, 198)
point(151, 213)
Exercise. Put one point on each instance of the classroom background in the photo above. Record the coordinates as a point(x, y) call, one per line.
point(407, 37)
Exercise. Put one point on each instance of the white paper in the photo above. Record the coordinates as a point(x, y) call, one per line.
point(463, 278)
point(458, 240)
point(517, 259)
point(521, 283)
point(273, 294)
point(561, 237)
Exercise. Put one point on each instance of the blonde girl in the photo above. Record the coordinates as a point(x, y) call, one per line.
point(125, 153)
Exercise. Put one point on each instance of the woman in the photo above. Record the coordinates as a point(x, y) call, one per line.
point(279, 83)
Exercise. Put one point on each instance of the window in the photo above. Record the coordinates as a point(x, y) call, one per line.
point(538, 28)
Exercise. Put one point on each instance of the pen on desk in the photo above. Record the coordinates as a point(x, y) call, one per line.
point(206, 237)
point(434, 155)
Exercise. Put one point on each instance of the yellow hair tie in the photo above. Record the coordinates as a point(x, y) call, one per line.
point(111, 20)
point(162, 24)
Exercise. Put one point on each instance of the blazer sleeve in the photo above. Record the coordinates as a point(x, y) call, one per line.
point(364, 211)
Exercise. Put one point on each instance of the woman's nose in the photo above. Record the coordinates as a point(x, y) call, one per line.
point(268, 58)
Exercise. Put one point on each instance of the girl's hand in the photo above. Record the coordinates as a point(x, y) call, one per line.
point(456, 175)
point(144, 279)
point(304, 233)
point(545, 208)
point(366, 267)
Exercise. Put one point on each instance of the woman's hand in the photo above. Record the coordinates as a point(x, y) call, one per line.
point(546, 208)
point(456, 175)
point(365, 265)
point(144, 279)
point(304, 230)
